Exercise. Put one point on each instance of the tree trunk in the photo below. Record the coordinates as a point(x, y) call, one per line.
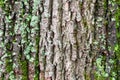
point(54, 39)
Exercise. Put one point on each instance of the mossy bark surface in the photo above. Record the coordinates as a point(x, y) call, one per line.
point(57, 39)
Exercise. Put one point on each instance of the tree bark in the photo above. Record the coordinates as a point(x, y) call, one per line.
point(54, 39)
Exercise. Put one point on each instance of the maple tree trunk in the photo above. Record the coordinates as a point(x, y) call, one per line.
point(54, 39)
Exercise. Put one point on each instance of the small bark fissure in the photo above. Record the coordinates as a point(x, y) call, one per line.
point(50, 13)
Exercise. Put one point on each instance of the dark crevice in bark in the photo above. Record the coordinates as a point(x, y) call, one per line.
point(51, 12)
point(37, 66)
point(49, 37)
point(44, 61)
point(4, 29)
point(14, 57)
point(30, 2)
point(55, 71)
point(27, 68)
point(106, 24)
point(29, 13)
point(12, 2)
point(3, 77)
point(95, 14)
point(82, 8)
point(95, 18)
point(61, 18)
point(69, 4)
point(76, 38)
point(52, 47)
point(60, 10)
point(23, 8)
point(70, 50)
point(85, 69)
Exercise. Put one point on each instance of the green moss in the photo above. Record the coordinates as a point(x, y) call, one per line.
point(8, 66)
point(117, 46)
point(87, 77)
point(24, 70)
point(36, 68)
point(105, 4)
point(2, 77)
point(37, 58)
point(23, 67)
point(36, 76)
point(1, 3)
point(81, 5)
point(99, 77)
point(9, 62)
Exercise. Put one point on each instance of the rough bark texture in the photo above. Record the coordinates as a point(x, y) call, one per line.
point(54, 39)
